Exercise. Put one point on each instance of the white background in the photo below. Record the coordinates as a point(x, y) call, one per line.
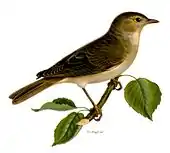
point(35, 34)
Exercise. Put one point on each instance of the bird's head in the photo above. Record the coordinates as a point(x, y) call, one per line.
point(132, 22)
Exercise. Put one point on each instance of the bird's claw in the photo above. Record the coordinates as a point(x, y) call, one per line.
point(117, 84)
point(98, 113)
point(98, 118)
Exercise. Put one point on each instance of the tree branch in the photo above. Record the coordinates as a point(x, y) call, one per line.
point(111, 86)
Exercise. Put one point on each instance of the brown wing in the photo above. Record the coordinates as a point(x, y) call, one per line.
point(93, 58)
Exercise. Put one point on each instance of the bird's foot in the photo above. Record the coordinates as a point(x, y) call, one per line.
point(98, 113)
point(117, 84)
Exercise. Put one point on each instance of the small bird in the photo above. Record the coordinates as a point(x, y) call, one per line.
point(100, 60)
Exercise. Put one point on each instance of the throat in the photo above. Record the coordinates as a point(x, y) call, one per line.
point(133, 37)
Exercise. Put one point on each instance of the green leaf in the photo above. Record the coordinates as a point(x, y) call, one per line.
point(60, 104)
point(143, 96)
point(67, 128)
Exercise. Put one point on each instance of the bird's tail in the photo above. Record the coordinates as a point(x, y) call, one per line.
point(31, 90)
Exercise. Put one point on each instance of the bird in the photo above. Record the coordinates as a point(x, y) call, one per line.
point(102, 59)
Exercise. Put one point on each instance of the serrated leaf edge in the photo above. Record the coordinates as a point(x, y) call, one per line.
point(70, 103)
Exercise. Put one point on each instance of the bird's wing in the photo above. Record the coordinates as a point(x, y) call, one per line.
point(93, 58)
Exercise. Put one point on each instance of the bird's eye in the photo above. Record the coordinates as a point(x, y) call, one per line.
point(138, 19)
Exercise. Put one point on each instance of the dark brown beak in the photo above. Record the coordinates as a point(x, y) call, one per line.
point(152, 21)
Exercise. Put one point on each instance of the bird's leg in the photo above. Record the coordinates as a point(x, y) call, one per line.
point(96, 108)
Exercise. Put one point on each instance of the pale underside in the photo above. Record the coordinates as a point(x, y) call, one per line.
point(111, 73)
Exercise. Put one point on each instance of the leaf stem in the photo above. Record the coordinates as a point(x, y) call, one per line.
point(128, 76)
point(83, 108)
